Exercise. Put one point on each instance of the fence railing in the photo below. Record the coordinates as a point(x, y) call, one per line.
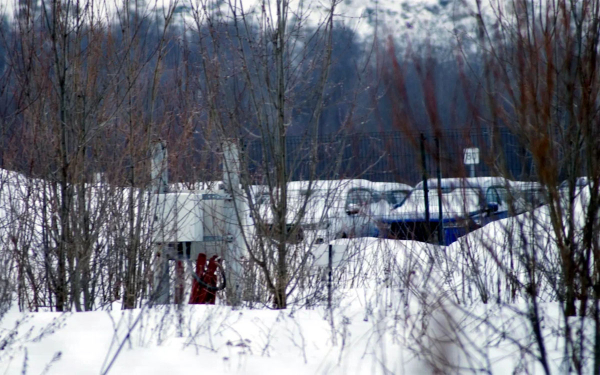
point(393, 156)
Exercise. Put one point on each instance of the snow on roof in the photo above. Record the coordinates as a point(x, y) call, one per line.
point(525, 185)
point(456, 203)
point(343, 184)
point(579, 182)
point(390, 186)
point(471, 182)
point(434, 22)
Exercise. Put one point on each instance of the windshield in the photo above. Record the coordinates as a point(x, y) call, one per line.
point(497, 194)
point(396, 197)
point(360, 197)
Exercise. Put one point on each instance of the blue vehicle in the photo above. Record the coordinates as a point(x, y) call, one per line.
point(467, 204)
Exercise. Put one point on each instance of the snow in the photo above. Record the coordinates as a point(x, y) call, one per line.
point(375, 330)
point(460, 198)
point(385, 291)
point(380, 293)
point(458, 203)
point(216, 340)
point(463, 197)
point(469, 182)
point(416, 23)
point(390, 298)
point(321, 206)
point(390, 186)
point(320, 199)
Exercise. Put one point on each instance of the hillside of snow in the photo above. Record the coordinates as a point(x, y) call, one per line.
point(418, 23)
point(415, 23)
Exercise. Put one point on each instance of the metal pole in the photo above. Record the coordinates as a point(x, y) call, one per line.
point(160, 185)
point(425, 189)
point(161, 287)
point(234, 219)
point(159, 172)
point(329, 282)
point(439, 188)
point(179, 282)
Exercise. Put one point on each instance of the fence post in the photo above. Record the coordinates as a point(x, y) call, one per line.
point(330, 266)
point(441, 239)
point(425, 189)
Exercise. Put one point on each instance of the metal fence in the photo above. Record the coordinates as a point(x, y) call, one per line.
point(394, 156)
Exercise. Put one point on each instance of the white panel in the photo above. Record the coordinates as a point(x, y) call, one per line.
point(214, 219)
point(178, 217)
point(321, 253)
point(471, 156)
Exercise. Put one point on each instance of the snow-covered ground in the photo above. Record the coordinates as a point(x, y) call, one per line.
point(399, 307)
point(364, 339)
point(382, 323)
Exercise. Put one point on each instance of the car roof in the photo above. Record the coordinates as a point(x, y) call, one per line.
point(469, 182)
point(482, 183)
point(579, 182)
point(344, 184)
point(526, 185)
point(390, 186)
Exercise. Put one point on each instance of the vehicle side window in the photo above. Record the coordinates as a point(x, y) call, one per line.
point(503, 194)
point(360, 197)
point(492, 196)
point(395, 197)
point(496, 194)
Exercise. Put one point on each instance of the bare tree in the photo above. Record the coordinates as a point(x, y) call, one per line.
point(534, 77)
point(254, 63)
point(84, 123)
